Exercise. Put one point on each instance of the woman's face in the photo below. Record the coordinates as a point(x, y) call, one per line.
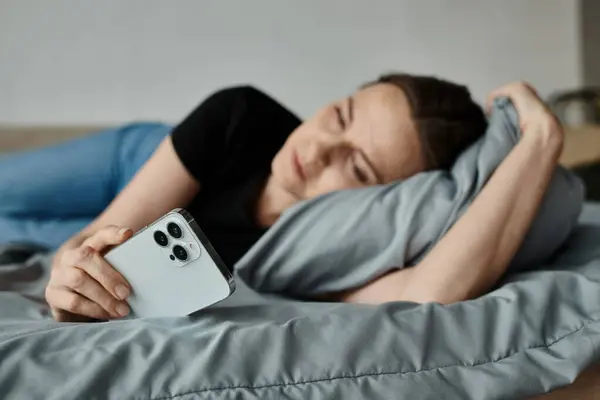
point(362, 140)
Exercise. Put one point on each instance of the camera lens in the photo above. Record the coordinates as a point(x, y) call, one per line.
point(161, 238)
point(174, 230)
point(180, 253)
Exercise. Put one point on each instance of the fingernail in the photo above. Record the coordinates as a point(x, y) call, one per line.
point(122, 231)
point(122, 309)
point(122, 291)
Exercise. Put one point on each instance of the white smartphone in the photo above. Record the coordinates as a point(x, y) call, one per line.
point(172, 268)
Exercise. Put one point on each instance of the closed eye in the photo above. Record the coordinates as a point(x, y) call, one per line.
point(360, 175)
point(340, 117)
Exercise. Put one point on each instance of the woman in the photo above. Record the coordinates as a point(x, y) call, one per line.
point(240, 159)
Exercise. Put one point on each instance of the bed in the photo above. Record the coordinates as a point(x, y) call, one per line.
point(587, 384)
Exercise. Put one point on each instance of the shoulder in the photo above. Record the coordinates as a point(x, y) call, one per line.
point(232, 123)
point(235, 111)
point(250, 99)
point(225, 108)
point(235, 93)
point(253, 112)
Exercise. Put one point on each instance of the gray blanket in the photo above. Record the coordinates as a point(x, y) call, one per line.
point(535, 333)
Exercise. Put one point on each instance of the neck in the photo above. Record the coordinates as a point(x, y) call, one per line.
point(272, 202)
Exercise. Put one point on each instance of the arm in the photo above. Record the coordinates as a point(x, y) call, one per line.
point(169, 179)
point(162, 184)
point(82, 284)
point(476, 251)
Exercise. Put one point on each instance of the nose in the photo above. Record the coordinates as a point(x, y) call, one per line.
point(320, 154)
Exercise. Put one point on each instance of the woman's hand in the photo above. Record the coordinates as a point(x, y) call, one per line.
point(83, 285)
point(535, 118)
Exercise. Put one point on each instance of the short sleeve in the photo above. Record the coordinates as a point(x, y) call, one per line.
point(200, 140)
point(233, 132)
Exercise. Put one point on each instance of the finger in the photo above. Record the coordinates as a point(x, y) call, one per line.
point(515, 92)
point(63, 300)
point(97, 267)
point(489, 102)
point(504, 91)
point(517, 89)
point(76, 279)
point(529, 87)
point(107, 237)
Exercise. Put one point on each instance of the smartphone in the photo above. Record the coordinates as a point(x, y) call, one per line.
point(172, 268)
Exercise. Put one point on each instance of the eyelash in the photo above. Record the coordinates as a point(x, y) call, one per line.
point(340, 117)
point(360, 175)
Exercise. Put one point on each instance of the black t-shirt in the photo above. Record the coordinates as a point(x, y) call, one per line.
point(228, 143)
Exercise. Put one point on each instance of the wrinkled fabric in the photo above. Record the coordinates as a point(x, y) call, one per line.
point(345, 239)
point(535, 333)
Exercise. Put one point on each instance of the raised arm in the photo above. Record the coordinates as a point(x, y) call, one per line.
point(477, 250)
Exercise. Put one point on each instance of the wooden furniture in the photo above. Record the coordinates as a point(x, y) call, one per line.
point(13, 138)
point(582, 146)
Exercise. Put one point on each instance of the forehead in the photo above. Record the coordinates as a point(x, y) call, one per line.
point(383, 128)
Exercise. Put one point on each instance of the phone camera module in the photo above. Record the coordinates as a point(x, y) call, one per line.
point(180, 253)
point(161, 238)
point(174, 230)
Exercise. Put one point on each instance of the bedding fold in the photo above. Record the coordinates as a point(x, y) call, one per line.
point(535, 333)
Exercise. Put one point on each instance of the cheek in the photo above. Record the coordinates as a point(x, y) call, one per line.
point(278, 161)
point(330, 180)
point(281, 159)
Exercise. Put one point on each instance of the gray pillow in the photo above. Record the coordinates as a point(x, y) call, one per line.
point(345, 239)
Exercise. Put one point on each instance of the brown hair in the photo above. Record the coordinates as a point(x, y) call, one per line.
point(446, 118)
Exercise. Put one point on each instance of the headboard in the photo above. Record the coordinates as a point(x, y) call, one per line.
point(14, 137)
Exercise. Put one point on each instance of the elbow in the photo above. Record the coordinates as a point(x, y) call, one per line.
point(422, 289)
point(414, 285)
point(443, 297)
point(435, 297)
point(416, 294)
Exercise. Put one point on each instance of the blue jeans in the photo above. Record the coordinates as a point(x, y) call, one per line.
point(47, 195)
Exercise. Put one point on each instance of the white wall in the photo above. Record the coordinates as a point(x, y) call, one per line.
point(89, 61)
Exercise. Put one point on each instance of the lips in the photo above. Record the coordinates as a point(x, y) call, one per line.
point(298, 168)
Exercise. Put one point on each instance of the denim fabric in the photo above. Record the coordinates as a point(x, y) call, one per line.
point(48, 194)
